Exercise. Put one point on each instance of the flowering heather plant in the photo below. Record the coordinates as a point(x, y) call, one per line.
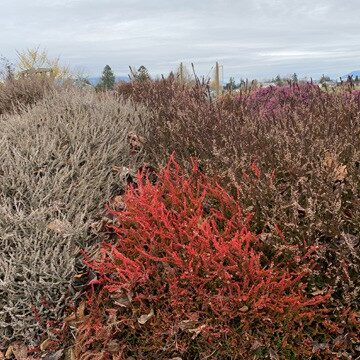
point(275, 99)
point(186, 277)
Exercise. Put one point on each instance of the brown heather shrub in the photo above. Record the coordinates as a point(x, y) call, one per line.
point(58, 162)
point(303, 146)
point(19, 93)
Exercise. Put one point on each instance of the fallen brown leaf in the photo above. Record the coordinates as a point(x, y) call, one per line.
point(46, 344)
point(244, 308)
point(144, 318)
point(70, 318)
point(187, 324)
point(18, 350)
point(9, 352)
point(121, 299)
point(78, 314)
point(113, 346)
point(55, 355)
point(80, 311)
point(70, 354)
point(329, 160)
point(340, 173)
point(318, 292)
point(59, 226)
point(196, 331)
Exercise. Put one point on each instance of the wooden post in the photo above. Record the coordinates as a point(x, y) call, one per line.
point(217, 79)
point(181, 73)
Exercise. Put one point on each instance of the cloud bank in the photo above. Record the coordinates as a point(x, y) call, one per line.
point(253, 39)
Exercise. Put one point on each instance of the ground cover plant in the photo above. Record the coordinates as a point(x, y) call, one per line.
point(251, 253)
point(18, 93)
point(304, 144)
point(59, 160)
point(186, 277)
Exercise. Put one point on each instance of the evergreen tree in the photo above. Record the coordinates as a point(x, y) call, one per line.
point(107, 81)
point(278, 80)
point(143, 74)
point(324, 79)
point(171, 75)
point(295, 78)
point(231, 85)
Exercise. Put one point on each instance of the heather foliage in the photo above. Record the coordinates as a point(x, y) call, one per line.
point(185, 276)
point(272, 101)
point(17, 94)
point(57, 165)
point(305, 146)
point(249, 251)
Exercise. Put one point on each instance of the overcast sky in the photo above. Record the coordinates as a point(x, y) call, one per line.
point(251, 38)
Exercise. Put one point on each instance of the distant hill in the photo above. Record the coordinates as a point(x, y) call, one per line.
point(95, 80)
point(353, 74)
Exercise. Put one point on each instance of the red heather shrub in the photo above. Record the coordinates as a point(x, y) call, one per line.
point(306, 136)
point(186, 277)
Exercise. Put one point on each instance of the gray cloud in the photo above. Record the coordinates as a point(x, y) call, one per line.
point(258, 38)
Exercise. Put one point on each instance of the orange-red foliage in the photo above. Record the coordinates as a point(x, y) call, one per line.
point(186, 277)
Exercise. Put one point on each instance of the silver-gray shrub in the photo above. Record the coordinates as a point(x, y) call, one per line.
point(56, 162)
